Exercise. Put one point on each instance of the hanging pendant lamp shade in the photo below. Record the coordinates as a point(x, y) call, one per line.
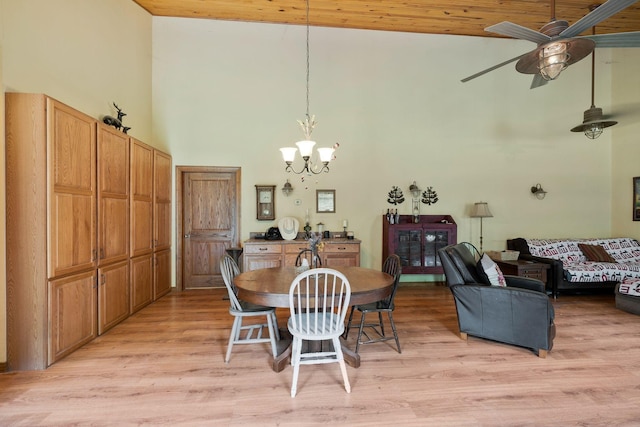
point(594, 123)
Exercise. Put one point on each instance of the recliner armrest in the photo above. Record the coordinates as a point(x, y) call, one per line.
point(525, 283)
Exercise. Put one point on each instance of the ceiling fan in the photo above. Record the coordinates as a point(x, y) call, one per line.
point(559, 44)
point(594, 122)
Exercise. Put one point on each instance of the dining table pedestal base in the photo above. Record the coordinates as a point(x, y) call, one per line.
point(283, 359)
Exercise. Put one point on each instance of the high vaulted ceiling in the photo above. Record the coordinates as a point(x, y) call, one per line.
point(416, 16)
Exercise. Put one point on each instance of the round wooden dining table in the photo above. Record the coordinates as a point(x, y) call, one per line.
point(270, 287)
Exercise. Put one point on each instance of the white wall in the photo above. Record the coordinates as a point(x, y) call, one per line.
point(626, 146)
point(87, 54)
point(229, 94)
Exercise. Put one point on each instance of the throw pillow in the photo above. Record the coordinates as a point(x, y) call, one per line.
point(595, 253)
point(490, 272)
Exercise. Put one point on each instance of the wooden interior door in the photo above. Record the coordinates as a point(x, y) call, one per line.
point(210, 214)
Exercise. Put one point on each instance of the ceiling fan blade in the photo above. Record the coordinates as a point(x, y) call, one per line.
point(519, 32)
point(597, 15)
point(537, 81)
point(631, 39)
point(466, 79)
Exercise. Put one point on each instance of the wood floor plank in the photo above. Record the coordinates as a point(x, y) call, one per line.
point(165, 366)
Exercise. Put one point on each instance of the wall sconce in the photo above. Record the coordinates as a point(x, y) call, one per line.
point(287, 188)
point(538, 191)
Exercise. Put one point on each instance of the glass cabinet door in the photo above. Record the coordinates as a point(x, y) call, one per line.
point(433, 241)
point(409, 247)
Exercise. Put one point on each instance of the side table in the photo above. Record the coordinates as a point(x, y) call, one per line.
point(520, 267)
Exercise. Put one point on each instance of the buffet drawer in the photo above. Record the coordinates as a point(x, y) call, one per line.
point(266, 248)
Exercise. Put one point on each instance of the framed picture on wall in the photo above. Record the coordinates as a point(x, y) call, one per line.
point(636, 198)
point(326, 201)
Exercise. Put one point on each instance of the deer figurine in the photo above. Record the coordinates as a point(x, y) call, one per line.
point(116, 122)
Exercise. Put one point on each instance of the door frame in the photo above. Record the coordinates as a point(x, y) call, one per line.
point(181, 171)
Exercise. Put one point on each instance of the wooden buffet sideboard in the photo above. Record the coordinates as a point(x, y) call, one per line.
point(260, 253)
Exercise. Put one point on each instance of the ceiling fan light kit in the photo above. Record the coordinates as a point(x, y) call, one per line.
point(559, 44)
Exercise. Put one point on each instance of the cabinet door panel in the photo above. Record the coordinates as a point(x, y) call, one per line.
point(71, 166)
point(162, 221)
point(72, 149)
point(114, 230)
point(141, 198)
point(113, 195)
point(341, 260)
point(72, 313)
point(72, 240)
point(141, 282)
point(141, 170)
point(162, 200)
point(141, 231)
point(113, 295)
point(253, 262)
point(161, 274)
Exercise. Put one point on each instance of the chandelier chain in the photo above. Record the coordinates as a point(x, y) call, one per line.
point(307, 60)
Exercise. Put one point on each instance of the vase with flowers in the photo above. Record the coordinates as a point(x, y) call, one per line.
point(315, 244)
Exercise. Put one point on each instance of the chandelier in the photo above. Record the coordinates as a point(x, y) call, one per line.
point(306, 146)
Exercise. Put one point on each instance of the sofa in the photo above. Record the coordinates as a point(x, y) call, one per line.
point(609, 261)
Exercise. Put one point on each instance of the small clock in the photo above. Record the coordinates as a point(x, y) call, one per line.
point(265, 206)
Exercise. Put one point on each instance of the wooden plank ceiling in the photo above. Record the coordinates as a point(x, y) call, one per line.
point(416, 16)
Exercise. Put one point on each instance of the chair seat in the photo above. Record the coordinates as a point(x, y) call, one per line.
point(312, 325)
point(375, 306)
point(247, 306)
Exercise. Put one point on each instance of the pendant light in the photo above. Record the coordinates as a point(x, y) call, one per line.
point(594, 123)
point(306, 146)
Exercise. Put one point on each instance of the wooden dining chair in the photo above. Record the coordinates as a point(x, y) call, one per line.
point(313, 261)
point(318, 301)
point(391, 266)
point(241, 309)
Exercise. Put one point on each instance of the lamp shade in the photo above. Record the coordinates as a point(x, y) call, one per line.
point(305, 147)
point(325, 154)
point(481, 210)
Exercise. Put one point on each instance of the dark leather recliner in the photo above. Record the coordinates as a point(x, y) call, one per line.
point(519, 313)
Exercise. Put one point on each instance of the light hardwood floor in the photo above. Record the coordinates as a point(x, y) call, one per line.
point(164, 366)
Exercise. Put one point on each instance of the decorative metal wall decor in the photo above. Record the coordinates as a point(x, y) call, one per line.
point(395, 196)
point(429, 196)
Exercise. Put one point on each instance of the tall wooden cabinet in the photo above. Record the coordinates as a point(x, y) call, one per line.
point(417, 244)
point(151, 224)
point(68, 229)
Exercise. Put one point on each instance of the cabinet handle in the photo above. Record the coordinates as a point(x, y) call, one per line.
point(103, 278)
point(186, 236)
point(342, 249)
point(263, 249)
point(101, 253)
point(94, 255)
